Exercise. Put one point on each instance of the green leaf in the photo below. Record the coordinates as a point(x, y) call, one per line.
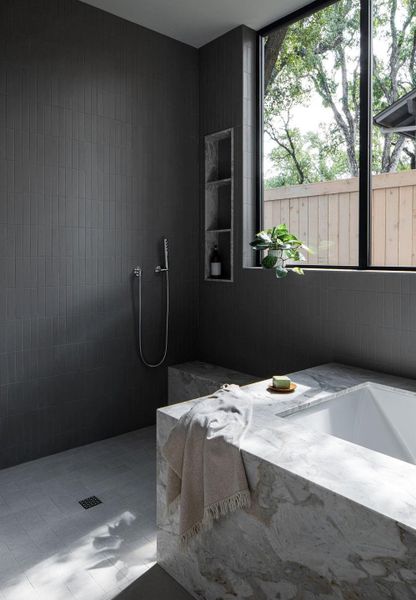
point(277, 242)
point(269, 261)
point(288, 245)
point(264, 236)
point(282, 229)
point(281, 272)
point(259, 245)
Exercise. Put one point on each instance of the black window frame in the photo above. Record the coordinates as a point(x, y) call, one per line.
point(365, 129)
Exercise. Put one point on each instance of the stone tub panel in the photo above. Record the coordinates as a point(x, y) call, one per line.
point(298, 541)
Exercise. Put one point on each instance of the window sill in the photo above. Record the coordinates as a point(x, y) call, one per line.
point(347, 269)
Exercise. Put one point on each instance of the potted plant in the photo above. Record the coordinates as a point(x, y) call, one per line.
point(282, 246)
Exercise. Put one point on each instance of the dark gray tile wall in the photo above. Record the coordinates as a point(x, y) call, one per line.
point(98, 160)
point(262, 326)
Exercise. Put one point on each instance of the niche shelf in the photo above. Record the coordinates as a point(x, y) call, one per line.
point(219, 201)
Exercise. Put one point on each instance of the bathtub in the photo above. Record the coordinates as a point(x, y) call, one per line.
point(333, 515)
point(371, 415)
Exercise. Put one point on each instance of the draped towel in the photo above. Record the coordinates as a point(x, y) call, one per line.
point(206, 471)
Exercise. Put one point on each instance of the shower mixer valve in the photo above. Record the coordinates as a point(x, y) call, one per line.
point(137, 271)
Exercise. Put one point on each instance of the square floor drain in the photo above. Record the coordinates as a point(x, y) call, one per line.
point(90, 502)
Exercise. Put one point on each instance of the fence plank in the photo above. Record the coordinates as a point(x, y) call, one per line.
point(354, 210)
point(325, 216)
point(313, 229)
point(285, 213)
point(405, 226)
point(344, 229)
point(392, 226)
point(378, 230)
point(293, 223)
point(323, 230)
point(276, 215)
point(269, 208)
point(333, 229)
point(303, 223)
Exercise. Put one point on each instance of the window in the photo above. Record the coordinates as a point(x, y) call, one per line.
point(393, 198)
point(338, 133)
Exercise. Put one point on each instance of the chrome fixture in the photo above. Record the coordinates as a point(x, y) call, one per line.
point(159, 269)
point(137, 272)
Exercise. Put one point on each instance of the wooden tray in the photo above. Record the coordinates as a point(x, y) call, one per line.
point(288, 390)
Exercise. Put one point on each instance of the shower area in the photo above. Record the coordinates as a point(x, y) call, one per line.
point(98, 162)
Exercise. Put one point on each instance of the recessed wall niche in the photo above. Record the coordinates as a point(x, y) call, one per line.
point(219, 199)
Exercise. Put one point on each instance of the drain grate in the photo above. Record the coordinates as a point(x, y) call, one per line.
point(90, 502)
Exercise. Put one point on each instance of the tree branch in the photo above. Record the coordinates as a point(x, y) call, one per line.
point(291, 149)
point(322, 87)
point(412, 156)
point(394, 54)
point(294, 157)
point(377, 77)
point(345, 98)
point(271, 51)
point(412, 64)
point(395, 155)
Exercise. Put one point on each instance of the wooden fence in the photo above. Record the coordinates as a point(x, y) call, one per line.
point(325, 216)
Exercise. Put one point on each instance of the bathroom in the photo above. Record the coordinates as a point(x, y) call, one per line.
point(143, 146)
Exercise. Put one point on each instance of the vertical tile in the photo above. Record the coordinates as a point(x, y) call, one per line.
point(71, 144)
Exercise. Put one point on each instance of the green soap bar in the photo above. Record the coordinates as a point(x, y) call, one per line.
point(281, 381)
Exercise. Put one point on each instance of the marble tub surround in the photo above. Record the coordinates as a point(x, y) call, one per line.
point(329, 519)
point(195, 379)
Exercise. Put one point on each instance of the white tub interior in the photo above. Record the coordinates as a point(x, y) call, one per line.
point(371, 415)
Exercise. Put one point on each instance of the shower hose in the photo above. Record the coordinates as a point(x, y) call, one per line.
point(140, 328)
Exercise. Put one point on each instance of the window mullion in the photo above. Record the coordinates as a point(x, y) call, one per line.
point(365, 134)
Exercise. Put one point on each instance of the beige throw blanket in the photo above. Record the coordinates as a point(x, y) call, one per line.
point(206, 471)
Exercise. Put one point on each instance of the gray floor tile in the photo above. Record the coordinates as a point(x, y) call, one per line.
point(53, 549)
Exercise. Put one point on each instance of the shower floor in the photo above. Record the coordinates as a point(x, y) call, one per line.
point(53, 549)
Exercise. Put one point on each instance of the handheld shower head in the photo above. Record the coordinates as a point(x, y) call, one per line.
point(164, 269)
point(166, 251)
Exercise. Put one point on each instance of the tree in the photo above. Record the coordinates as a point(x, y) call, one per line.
point(305, 158)
point(319, 55)
point(394, 72)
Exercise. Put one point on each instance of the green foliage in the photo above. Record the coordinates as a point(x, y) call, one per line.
point(320, 58)
point(320, 156)
point(284, 246)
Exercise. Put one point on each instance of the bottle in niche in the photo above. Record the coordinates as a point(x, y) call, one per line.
point(215, 263)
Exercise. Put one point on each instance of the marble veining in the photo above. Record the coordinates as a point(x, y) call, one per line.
point(329, 519)
point(196, 378)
